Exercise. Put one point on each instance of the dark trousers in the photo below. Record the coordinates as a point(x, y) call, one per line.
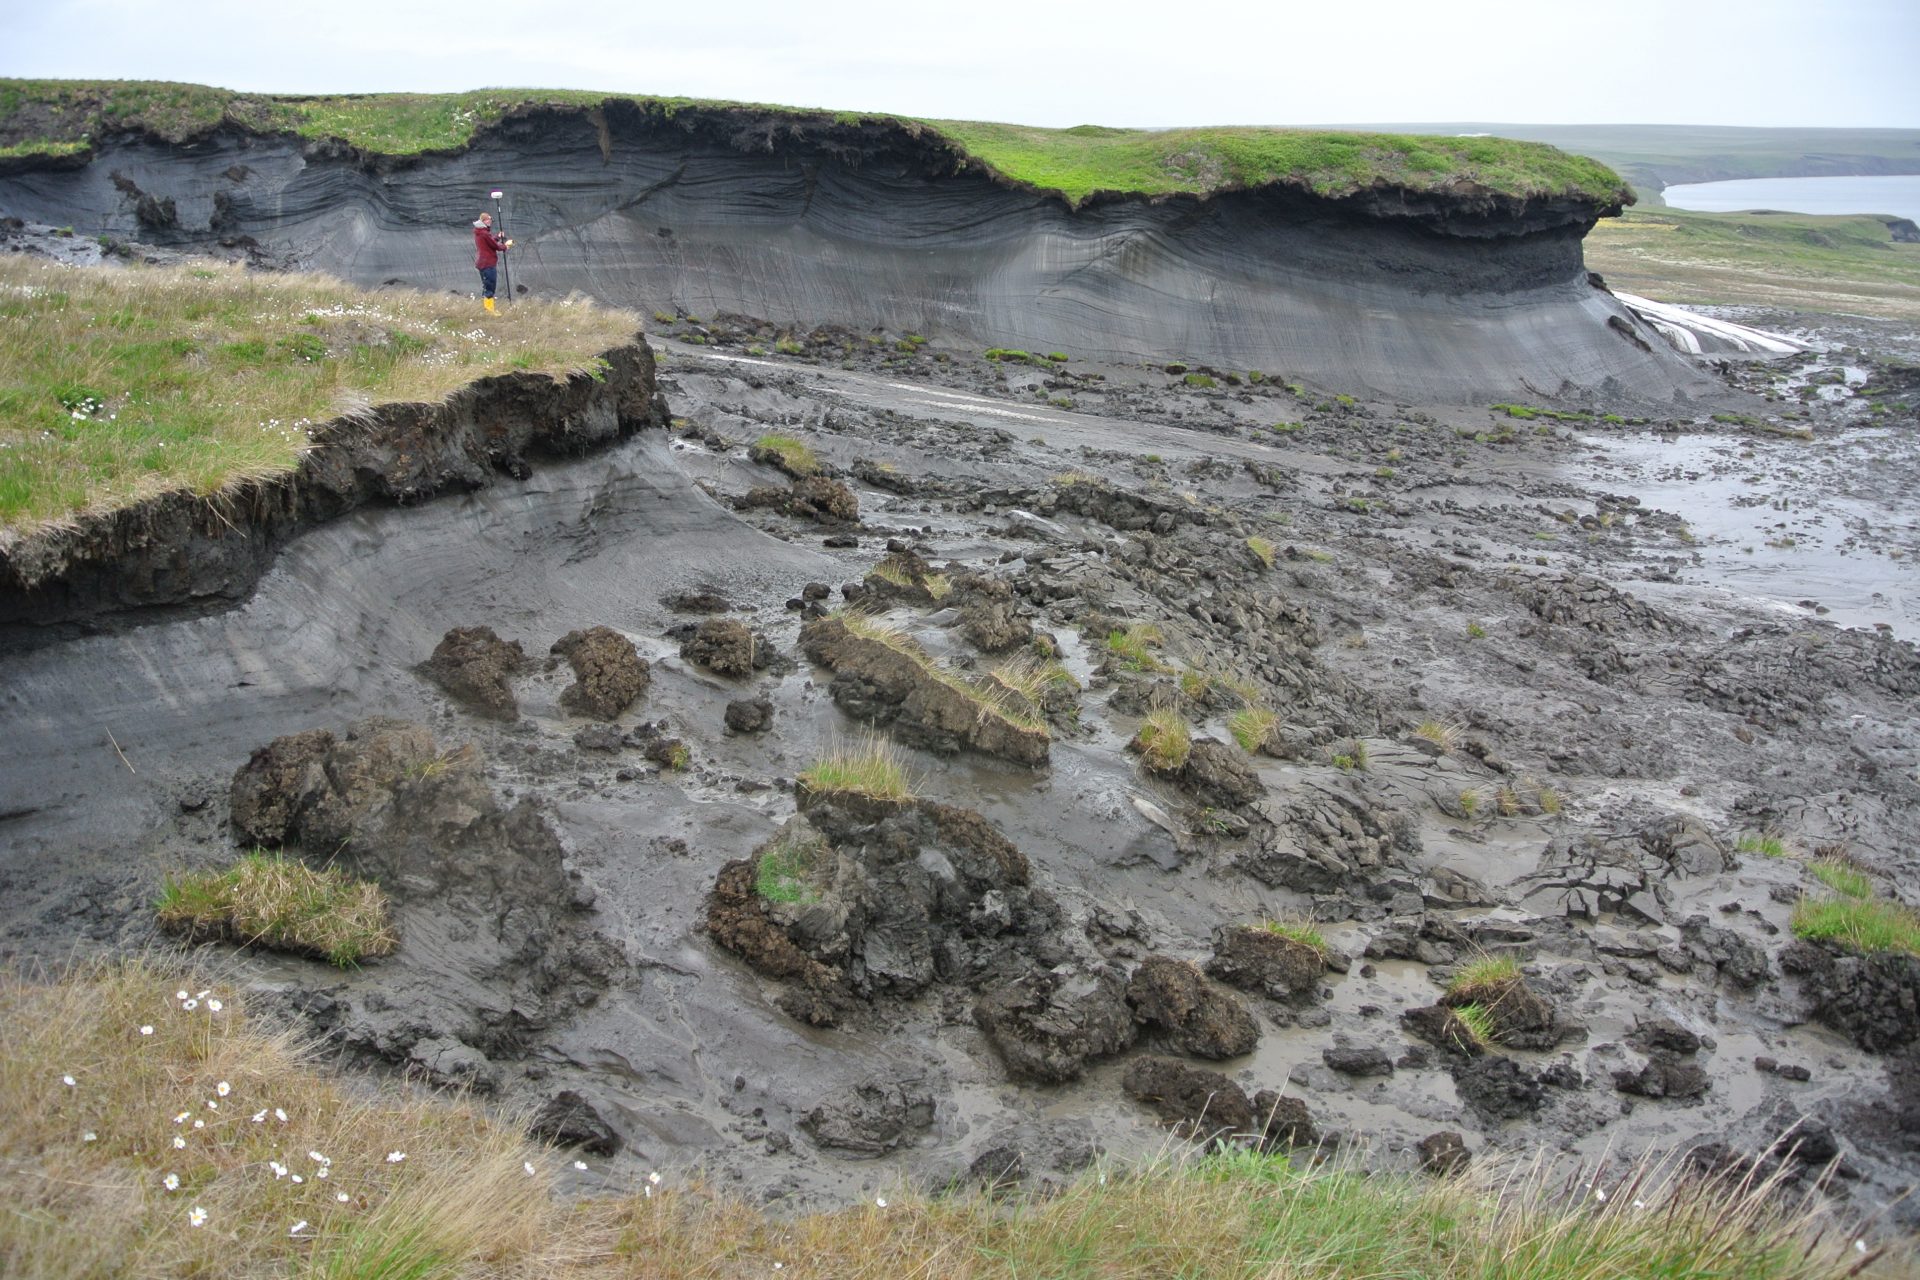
point(489, 277)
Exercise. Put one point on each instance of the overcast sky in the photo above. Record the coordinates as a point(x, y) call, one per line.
point(1763, 62)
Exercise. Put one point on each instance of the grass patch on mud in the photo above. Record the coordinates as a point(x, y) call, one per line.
point(871, 769)
point(148, 1131)
point(46, 114)
point(1163, 741)
point(995, 697)
point(271, 900)
point(120, 384)
point(1866, 925)
point(785, 870)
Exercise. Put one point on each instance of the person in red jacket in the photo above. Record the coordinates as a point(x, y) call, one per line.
point(488, 245)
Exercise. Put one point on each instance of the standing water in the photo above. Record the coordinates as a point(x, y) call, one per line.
point(1897, 194)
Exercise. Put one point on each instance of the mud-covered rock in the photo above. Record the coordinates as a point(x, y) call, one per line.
point(609, 673)
point(568, 1120)
point(1874, 1000)
point(1358, 1060)
point(877, 682)
point(1268, 963)
point(740, 920)
point(1497, 1087)
point(818, 498)
point(723, 646)
point(1663, 1078)
point(988, 615)
point(871, 1118)
point(1175, 998)
point(1284, 1122)
point(1195, 1102)
point(1219, 776)
point(475, 667)
point(1325, 838)
point(1737, 958)
point(1519, 1017)
point(1047, 1026)
point(1443, 1153)
point(495, 948)
point(749, 715)
point(1441, 1027)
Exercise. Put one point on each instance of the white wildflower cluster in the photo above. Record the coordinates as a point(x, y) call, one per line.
point(83, 407)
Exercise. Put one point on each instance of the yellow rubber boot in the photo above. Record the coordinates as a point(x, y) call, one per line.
point(487, 302)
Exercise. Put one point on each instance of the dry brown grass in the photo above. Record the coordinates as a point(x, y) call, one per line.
point(83, 1169)
point(121, 383)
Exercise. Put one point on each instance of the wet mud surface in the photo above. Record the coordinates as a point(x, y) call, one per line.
point(1538, 679)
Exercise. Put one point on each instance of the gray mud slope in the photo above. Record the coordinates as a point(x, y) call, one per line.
point(1456, 297)
point(1518, 711)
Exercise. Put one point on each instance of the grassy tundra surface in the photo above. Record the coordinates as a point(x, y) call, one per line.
point(117, 384)
point(53, 117)
point(148, 1128)
point(1792, 261)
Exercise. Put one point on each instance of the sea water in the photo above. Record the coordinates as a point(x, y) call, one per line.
point(1897, 194)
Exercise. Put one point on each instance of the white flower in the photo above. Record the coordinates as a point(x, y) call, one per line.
point(223, 1088)
point(199, 1124)
point(215, 1006)
point(213, 1104)
point(528, 1166)
point(654, 1178)
point(1639, 1204)
point(196, 1217)
point(881, 1201)
point(202, 995)
point(69, 1081)
point(324, 1172)
point(341, 1197)
point(1599, 1195)
point(178, 1142)
point(1859, 1246)
point(580, 1165)
point(146, 1029)
point(317, 1158)
point(298, 1178)
point(179, 995)
point(89, 1136)
point(395, 1157)
point(279, 1170)
point(260, 1116)
point(280, 1115)
point(183, 1117)
point(171, 1182)
point(191, 1005)
point(297, 1227)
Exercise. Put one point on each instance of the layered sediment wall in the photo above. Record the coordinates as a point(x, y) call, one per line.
point(1461, 295)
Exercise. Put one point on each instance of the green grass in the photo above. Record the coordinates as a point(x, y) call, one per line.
point(44, 114)
point(871, 770)
point(273, 901)
point(1296, 931)
point(1484, 979)
point(1163, 741)
point(1251, 727)
point(1133, 647)
point(796, 457)
point(1866, 925)
point(785, 870)
point(1842, 877)
point(1262, 548)
point(989, 697)
point(120, 384)
point(1441, 733)
point(1767, 844)
point(1477, 1021)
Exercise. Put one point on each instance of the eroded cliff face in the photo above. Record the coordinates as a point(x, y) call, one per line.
point(1459, 296)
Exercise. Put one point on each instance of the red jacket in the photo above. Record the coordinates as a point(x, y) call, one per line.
point(488, 245)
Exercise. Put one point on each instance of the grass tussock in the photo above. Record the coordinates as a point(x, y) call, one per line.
point(119, 384)
point(870, 769)
point(1133, 648)
point(1298, 931)
point(1866, 925)
point(422, 1187)
point(1444, 734)
point(271, 900)
point(1485, 980)
point(1476, 1020)
point(796, 456)
point(1252, 727)
point(1032, 678)
point(1263, 549)
point(1164, 742)
point(1768, 844)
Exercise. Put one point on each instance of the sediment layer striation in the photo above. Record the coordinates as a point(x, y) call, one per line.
point(1460, 294)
